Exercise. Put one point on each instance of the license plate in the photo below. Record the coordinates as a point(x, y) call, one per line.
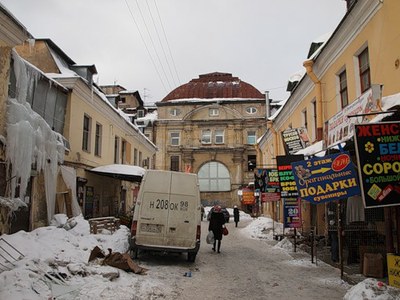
point(155, 228)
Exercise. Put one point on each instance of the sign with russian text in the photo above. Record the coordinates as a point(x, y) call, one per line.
point(248, 196)
point(295, 139)
point(267, 181)
point(292, 213)
point(289, 194)
point(341, 125)
point(327, 178)
point(378, 156)
point(393, 264)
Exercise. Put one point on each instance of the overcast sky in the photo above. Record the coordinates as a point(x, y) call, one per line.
point(263, 42)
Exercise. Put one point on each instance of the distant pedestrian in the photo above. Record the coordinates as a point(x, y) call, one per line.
point(236, 215)
point(216, 225)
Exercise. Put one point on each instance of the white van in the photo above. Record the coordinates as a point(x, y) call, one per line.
point(167, 214)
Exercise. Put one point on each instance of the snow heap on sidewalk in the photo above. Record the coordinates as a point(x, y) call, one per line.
point(53, 264)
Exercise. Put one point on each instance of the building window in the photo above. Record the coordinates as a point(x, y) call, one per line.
point(140, 159)
point(214, 177)
point(87, 124)
point(213, 112)
point(98, 139)
point(140, 113)
point(206, 136)
point(251, 110)
point(251, 163)
point(251, 137)
point(135, 157)
point(123, 152)
point(175, 138)
point(314, 109)
point(343, 89)
point(174, 163)
point(175, 112)
point(304, 117)
point(116, 150)
point(363, 63)
point(219, 136)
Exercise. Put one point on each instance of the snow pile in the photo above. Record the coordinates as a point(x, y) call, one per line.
point(55, 260)
point(372, 289)
point(263, 228)
point(12, 204)
point(54, 265)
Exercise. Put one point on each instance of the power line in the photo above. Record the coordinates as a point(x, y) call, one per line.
point(161, 44)
point(152, 43)
point(166, 39)
point(145, 44)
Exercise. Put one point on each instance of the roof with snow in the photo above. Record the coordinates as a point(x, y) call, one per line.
point(215, 85)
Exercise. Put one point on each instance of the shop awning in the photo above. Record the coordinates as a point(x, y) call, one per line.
point(315, 149)
point(122, 172)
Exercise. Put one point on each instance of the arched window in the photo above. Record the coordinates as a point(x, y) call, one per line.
point(214, 177)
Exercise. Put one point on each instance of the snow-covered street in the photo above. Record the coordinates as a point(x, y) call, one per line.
point(251, 265)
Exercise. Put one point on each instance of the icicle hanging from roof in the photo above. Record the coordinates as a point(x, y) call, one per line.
point(30, 140)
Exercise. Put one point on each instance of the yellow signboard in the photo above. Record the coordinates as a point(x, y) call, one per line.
point(393, 262)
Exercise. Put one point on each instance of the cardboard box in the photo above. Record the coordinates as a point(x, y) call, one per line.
point(373, 265)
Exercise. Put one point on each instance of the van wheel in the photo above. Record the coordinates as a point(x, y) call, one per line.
point(191, 256)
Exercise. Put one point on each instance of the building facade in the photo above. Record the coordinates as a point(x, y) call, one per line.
point(209, 126)
point(53, 113)
point(359, 60)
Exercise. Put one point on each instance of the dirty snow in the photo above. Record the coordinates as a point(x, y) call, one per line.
point(53, 262)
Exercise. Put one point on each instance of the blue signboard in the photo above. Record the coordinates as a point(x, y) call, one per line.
point(325, 179)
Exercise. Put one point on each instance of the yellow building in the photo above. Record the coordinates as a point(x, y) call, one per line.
point(56, 129)
point(360, 59)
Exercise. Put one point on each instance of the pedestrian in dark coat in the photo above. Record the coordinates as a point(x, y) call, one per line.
point(216, 225)
point(236, 215)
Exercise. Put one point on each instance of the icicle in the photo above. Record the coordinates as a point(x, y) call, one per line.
point(30, 140)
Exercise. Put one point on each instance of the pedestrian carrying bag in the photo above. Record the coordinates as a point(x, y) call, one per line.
point(225, 231)
point(210, 237)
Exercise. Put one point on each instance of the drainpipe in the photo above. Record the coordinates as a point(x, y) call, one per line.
point(270, 126)
point(275, 136)
point(308, 64)
point(267, 105)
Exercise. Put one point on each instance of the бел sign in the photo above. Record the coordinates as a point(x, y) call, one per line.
point(378, 155)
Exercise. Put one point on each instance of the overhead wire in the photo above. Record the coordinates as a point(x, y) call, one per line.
point(166, 39)
point(161, 44)
point(145, 44)
point(152, 43)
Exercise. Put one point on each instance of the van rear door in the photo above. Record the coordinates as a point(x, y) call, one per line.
point(153, 215)
point(184, 211)
point(169, 210)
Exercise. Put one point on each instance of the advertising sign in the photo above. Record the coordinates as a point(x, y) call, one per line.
point(267, 181)
point(295, 139)
point(341, 127)
point(248, 196)
point(327, 178)
point(289, 194)
point(393, 264)
point(292, 213)
point(378, 155)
